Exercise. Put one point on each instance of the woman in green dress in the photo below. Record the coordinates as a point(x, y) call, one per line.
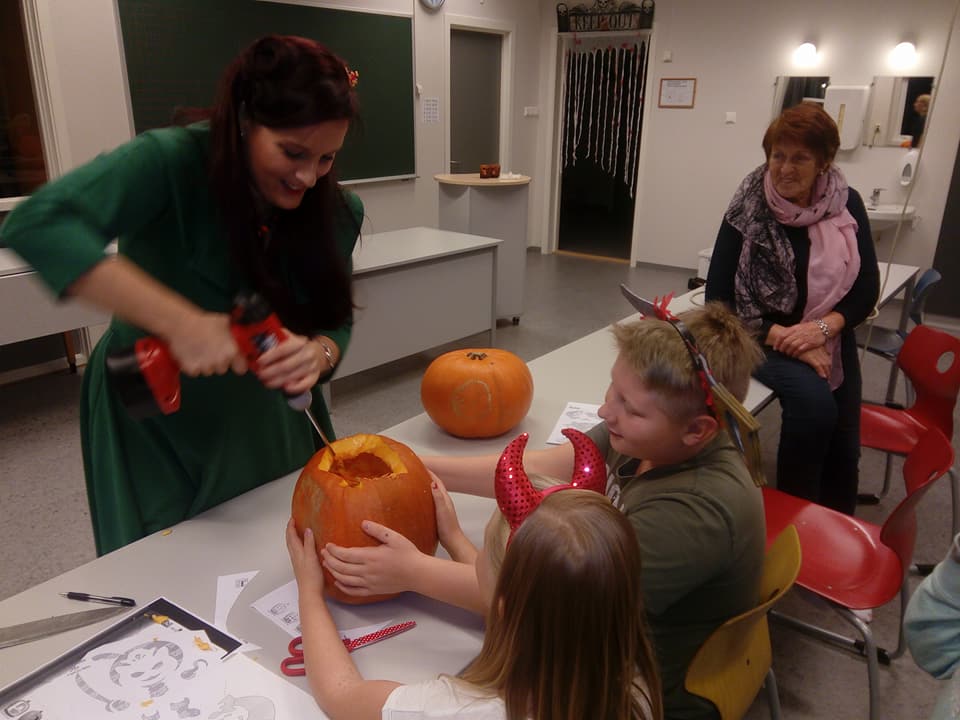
point(242, 202)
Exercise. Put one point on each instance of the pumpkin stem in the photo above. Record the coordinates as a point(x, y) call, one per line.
point(476, 355)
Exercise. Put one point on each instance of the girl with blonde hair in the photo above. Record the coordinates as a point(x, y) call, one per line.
point(565, 626)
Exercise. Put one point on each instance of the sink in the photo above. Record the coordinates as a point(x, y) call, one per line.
point(886, 215)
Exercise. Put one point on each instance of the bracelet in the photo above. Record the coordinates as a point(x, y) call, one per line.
point(327, 353)
point(823, 327)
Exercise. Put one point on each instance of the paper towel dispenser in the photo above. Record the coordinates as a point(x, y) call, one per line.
point(847, 105)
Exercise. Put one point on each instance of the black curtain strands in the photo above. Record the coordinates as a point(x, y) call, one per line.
point(604, 92)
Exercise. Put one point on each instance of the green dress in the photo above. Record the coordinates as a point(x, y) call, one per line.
point(231, 433)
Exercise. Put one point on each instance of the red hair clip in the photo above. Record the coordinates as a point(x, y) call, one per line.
point(353, 77)
point(517, 497)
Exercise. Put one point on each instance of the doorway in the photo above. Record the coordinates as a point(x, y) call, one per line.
point(475, 70)
point(603, 91)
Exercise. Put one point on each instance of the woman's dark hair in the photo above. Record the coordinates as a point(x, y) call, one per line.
point(806, 124)
point(284, 82)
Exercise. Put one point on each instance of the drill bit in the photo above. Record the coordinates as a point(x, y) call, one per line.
point(316, 426)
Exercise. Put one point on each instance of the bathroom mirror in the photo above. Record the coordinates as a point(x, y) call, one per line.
point(894, 116)
point(790, 90)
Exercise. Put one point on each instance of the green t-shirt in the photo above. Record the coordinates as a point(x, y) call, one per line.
point(702, 535)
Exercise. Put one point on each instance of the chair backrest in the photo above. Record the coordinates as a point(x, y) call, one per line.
point(731, 665)
point(921, 291)
point(931, 360)
point(930, 459)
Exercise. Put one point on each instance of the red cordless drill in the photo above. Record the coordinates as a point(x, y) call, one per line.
point(147, 378)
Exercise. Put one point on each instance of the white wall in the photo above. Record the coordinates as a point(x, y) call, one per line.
point(691, 161)
point(84, 63)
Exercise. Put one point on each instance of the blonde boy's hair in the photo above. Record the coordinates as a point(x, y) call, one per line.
point(566, 634)
point(655, 351)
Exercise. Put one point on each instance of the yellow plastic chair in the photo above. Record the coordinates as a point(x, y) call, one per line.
point(735, 661)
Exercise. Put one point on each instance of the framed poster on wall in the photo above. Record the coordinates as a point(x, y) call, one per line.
point(677, 92)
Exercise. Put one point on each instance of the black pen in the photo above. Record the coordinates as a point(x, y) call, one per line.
point(87, 597)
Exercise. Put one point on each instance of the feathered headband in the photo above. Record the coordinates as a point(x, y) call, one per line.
point(517, 497)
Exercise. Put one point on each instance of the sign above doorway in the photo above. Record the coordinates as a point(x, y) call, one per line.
point(605, 16)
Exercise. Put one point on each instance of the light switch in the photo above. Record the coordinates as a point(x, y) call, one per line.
point(668, 55)
point(731, 118)
point(531, 111)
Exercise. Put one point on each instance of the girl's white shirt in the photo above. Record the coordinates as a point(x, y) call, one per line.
point(443, 697)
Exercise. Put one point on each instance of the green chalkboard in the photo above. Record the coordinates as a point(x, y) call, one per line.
point(175, 51)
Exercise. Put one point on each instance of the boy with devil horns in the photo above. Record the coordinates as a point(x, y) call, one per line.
point(674, 471)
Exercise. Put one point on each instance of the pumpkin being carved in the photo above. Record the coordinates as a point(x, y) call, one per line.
point(477, 393)
point(371, 478)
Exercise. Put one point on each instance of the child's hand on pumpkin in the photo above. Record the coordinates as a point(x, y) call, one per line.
point(390, 567)
point(306, 564)
point(452, 537)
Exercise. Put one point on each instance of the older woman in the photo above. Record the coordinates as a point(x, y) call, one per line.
point(795, 260)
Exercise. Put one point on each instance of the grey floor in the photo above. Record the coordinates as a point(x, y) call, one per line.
point(45, 527)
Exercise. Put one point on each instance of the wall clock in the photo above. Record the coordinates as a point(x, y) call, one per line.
point(431, 4)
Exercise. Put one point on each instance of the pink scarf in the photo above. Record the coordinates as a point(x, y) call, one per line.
point(834, 257)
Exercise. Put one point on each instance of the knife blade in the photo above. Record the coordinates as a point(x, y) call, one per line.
point(45, 627)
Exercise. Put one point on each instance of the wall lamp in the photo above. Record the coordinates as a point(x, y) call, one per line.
point(903, 56)
point(805, 55)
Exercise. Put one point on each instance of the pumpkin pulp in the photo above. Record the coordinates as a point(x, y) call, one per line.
point(356, 458)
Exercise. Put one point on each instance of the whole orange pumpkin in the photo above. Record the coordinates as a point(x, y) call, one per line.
point(371, 478)
point(477, 393)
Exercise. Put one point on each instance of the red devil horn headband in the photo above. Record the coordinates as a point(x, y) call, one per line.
point(516, 496)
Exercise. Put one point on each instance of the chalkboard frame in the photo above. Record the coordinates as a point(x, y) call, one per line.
point(175, 50)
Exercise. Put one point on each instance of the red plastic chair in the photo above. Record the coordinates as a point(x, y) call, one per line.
point(930, 360)
point(856, 565)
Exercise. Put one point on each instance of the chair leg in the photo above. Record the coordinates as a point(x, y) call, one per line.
point(892, 382)
point(69, 350)
point(927, 568)
point(870, 651)
point(773, 696)
point(955, 502)
point(901, 637)
point(874, 498)
point(866, 647)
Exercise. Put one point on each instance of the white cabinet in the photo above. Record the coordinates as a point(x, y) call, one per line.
point(496, 208)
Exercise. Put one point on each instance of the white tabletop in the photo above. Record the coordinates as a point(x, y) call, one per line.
point(474, 179)
point(380, 251)
point(246, 534)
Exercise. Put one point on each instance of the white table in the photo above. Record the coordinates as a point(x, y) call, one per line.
point(424, 286)
point(418, 288)
point(28, 310)
point(246, 533)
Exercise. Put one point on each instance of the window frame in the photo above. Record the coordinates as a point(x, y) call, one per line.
point(37, 25)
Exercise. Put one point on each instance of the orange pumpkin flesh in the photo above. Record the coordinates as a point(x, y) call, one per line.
point(371, 478)
point(477, 393)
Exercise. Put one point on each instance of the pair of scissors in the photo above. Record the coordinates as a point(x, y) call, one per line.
point(293, 665)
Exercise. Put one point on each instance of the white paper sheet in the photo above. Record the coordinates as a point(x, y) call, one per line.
point(229, 588)
point(263, 695)
point(159, 672)
point(581, 416)
point(281, 607)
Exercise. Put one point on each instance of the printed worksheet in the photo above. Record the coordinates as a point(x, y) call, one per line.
point(580, 416)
